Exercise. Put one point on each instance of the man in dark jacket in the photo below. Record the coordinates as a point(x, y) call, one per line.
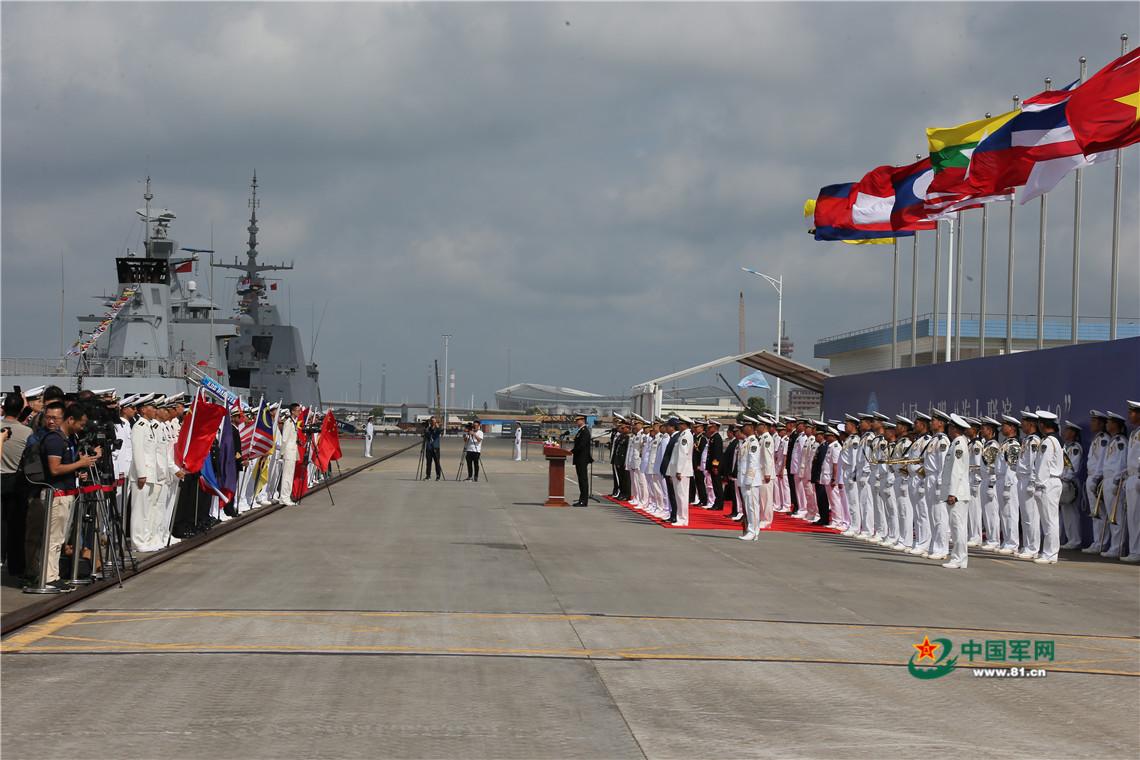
point(621, 448)
point(582, 460)
point(672, 429)
point(820, 488)
point(728, 471)
point(713, 464)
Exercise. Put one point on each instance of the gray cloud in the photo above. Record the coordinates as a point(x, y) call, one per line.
point(581, 194)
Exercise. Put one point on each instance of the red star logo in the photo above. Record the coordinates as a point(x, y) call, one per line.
point(926, 650)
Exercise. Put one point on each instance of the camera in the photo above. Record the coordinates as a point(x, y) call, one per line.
point(311, 429)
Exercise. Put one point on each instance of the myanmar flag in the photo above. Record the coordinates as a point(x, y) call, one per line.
point(1104, 112)
point(950, 151)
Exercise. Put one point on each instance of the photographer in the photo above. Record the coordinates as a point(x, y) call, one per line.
point(65, 465)
point(472, 448)
point(13, 486)
point(432, 434)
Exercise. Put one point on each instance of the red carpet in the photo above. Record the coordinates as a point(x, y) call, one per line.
point(707, 519)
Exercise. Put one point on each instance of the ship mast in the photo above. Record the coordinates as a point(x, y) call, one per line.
point(251, 286)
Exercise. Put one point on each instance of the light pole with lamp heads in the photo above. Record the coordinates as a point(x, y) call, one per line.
point(778, 284)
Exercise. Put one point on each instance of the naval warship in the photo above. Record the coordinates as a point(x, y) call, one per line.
point(161, 334)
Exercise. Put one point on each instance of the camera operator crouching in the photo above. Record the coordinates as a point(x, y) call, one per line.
point(473, 448)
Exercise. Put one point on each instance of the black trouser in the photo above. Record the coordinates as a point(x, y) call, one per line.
point(617, 478)
point(699, 481)
point(669, 481)
point(795, 496)
point(718, 492)
point(623, 483)
point(473, 465)
point(432, 455)
point(728, 491)
point(582, 469)
point(14, 509)
point(824, 505)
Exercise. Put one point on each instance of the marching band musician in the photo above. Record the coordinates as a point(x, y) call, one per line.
point(903, 507)
point(849, 461)
point(974, 516)
point(1070, 488)
point(987, 489)
point(1114, 468)
point(1047, 487)
point(934, 462)
point(1132, 486)
point(916, 474)
point(1094, 480)
point(1006, 487)
point(1027, 487)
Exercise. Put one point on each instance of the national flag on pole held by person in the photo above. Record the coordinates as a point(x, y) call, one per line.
point(198, 433)
point(950, 151)
point(328, 447)
point(261, 436)
point(755, 380)
point(221, 481)
point(1104, 112)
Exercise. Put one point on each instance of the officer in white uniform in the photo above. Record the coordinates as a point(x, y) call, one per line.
point(660, 481)
point(369, 433)
point(795, 466)
point(121, 457)
point(146, 490)
point(633, 462)
point(1027, 487)
point(849, 461)
point(680, 470)
point(1131, 496)
point(518, 442)
point(886, 516)
point(289, 453)
point(831, 477)
point(747, 475)
point(1094, 480)
point(954, 492)
point(1070, 487)
point(766, 480)
point(974, 518)
point(863, 481)
point(989, 460)
point(1047, 487)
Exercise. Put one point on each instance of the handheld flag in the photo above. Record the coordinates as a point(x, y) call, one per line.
point(198, 433)
point(328, 448)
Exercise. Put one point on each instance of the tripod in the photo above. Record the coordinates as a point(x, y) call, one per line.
point(482, 470)
point(93, 506)
point(422, 461)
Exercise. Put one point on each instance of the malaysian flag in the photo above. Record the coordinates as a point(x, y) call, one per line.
point(260, 440)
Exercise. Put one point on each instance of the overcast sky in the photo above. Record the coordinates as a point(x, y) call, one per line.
point(578, 184)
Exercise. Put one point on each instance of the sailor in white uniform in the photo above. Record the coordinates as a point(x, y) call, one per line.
point(766, 480)
point(289, 453)
point(1115, 468)
point(518, 442)
point(369, 433)
point(146, 494)
point(633, 462)
point(1047, 487)
point(747, 473)
point(937, 452)
point(990, 459)
point(1027, 487)
point(1131, 498)
point(1006, 487)
point(1070, 487)
point(1094, 479)
point(916, 477)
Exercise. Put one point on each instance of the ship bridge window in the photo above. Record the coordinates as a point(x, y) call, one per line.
point(261, 346)
point(156, 296)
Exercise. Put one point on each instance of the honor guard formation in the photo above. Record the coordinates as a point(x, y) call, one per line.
point(934, 486)
point(141, 472)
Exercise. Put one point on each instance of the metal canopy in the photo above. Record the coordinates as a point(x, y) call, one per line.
point(765, 361)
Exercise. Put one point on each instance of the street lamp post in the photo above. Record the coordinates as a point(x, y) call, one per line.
point(778, 284)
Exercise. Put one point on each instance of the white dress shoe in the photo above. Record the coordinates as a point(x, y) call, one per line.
point(1132, 559)
point(1094, 549)
point(1025, 555)
point(1109, 555)
point(938, 556)
point(973, 544)
point(1005, 550)
point(991, 547)
point(1045, 561)
point(952, 566)
point(914, 550)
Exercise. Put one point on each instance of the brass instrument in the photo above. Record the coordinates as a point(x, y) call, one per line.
point(990, 455)
point(1115, 503)
point(1095, 511)
point(1012, 453)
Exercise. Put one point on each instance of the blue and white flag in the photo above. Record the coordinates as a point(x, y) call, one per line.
point(755, 380)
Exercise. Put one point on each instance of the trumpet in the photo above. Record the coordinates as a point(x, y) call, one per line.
point(990, 455)
point(1095, 511)
point(1115, 504)
point(917, 460)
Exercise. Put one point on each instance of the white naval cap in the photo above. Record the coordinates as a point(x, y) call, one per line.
point(103, 392)
point(939, 414)
point(960, 422)
point(1046, 416)
point(129, 400)
point(850, 418)
point(881, 417)
point(1095, 413)
point(749, 419)
point(832, 431)
point(922, 416)
point(145, 400)
point(990, 421)
point(638, 417)
point(36, 392)
point(1073, 425)
point(1027, 414)
point(686, 420)
point(866, 416)
point(904, 420)
point(1133, 405)
point(1010, 419)
point(1114, 416)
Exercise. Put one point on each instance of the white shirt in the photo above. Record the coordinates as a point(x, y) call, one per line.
point(473, 441)
point(767, 457)
point(681, 463)
point(121, 458)
point(369, 429)
point(144, 449)
point(955, 479)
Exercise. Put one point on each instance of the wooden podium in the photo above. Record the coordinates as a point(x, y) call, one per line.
point(556, 488)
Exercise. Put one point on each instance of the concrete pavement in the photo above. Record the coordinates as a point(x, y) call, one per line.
point(453, 619)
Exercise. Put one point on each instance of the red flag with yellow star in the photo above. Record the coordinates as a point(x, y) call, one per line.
point(1104, 112)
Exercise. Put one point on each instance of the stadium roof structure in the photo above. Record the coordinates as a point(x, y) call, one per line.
point(535, 392)
point(765, 361)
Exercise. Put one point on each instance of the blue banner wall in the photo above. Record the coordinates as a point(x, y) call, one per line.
point(1068, 381)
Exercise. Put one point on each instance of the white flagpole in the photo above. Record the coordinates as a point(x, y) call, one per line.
point(1009, 273)
point(949, 287)
point(895, 308)
point(914, 302)
point(934, 309)
point(1041, 256)
point(1077, 237)
point(958, 289)
point(1112, 298)
point(982, 298)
